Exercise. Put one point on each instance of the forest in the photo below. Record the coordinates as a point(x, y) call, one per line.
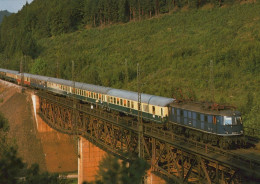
point(3, 14)
point(173, 41)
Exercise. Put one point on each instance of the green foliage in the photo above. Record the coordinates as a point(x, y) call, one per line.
point(4, 126)
point(174, 50)
point(111, 171)
point(33, 176)
point(10, 166)
point(3, 14)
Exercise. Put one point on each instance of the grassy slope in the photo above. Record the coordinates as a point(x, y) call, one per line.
point(174, 52)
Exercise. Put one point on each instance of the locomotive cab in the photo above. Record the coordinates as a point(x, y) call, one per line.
point(232, 125)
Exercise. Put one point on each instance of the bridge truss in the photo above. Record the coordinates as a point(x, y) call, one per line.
point(174, 158)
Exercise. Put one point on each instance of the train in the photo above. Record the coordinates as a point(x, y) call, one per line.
point(219, 127)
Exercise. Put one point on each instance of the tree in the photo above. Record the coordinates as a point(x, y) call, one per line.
point(12, 167)
point(111, 171)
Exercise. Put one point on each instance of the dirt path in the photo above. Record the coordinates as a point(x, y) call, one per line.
point(16, 108)
point(53, 151)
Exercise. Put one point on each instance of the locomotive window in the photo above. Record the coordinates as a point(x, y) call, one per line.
point(194, 115)
point(185, 114)
point(189, 114)
point(178, 112)
point(214, 120)
point(238, 120)
point(210, 119)
point(227, 120)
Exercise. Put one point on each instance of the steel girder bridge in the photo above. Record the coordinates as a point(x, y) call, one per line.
point(174, 158)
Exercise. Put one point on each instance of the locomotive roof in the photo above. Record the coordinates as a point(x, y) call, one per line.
point(145, 98)
point(202, 108)
point(9, 71)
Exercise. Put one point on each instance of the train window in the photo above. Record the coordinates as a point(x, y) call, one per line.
point(214, 119)
point(210, 119)
point(132, 104)
point(145, 108)
point(238, 120)
point(189, 114)
point(99, 96)
point(198, 117)
point(117, 100)
point(125, 103)
point(194, 115)
point(181, 112)
point(185, 113)
point(121, 101)
point(128, 103)
point(178, 112)
point(153, 109)
point(205, 118)
point(227, 120)
point(114, 100)
point(92, 95)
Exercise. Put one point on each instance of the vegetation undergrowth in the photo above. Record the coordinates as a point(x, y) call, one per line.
point(174, 51)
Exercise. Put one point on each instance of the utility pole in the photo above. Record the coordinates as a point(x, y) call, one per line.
point(140, 122)
point(212, 86)
point(57, 69)
point(21, 73)
point(126, 72)
point(74, 123)
point(74, 120)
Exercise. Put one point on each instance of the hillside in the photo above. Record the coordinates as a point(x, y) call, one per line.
point(174, 51)
point(3, 14)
